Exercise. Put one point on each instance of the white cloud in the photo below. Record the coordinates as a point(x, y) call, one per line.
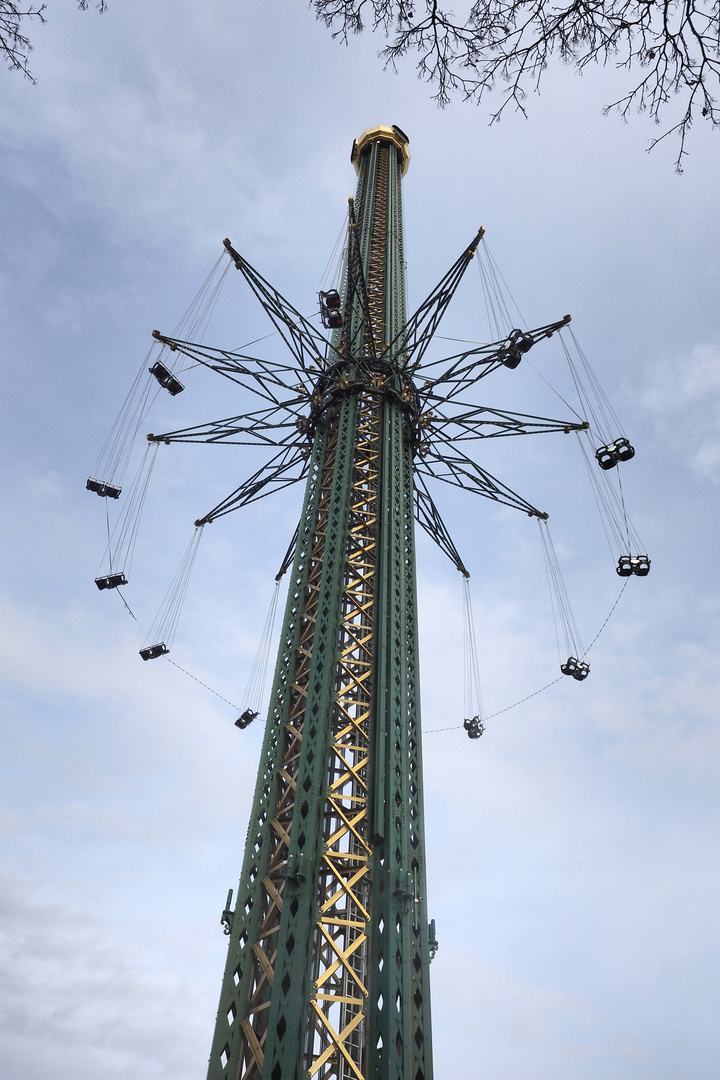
point(685, 398)
point(78, 1000)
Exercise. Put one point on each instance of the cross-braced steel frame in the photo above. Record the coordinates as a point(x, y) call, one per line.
point(327, 972)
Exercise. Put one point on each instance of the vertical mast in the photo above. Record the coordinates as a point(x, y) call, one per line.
point(327, 971)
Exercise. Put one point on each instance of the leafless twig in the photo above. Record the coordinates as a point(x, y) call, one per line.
point(671, 47)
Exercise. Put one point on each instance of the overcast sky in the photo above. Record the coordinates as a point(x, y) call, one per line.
point(572, 851)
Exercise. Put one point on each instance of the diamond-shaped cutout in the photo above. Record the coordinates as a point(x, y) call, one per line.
point(286, 983)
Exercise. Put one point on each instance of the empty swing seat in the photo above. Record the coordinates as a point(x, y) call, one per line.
point(576, 668)
point(246, 718)
point(608, 456)
point(330, 309)
point(639, 565)
point(474, 727)
point(511, 357)
point(166, 378)
point(100, 487)
point(518, 344)
point(110, 581)
point(522, 342)
point(153, 651)
point(624, 450)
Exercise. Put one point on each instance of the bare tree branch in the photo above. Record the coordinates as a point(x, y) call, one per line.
point(671, 47)
point(15, 45)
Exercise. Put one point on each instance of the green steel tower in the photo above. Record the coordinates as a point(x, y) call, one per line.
point(327, 971)
point(329, 941)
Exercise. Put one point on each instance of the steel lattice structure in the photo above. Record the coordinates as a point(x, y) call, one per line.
point(329, 947)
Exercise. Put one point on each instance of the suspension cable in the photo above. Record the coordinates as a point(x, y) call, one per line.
point(610, 501)
point(595, 403)
point(574, 665)
point(255, 689)
point(473, 722)
point(473, 703)
point(540, 690)
point(161, 634)
point(122, 539)
point(333, 269)
point(114, 457)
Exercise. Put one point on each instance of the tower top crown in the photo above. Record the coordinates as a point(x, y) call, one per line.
point(392, 134)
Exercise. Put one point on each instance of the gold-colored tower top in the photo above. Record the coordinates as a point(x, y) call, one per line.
point(392, 134)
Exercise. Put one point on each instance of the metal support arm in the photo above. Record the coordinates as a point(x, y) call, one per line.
point(460, 375)
point(304, 341)
point(461, 471)
point(254, 374)
point(482, 422)
point(428, 517)
point(251, 429)
point(286, 468)
point(418, 332)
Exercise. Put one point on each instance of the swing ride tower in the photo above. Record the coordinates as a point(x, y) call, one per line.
point(329, 941)
point(327, 969)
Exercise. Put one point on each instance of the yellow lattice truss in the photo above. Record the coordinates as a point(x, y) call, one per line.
point(338, 1019)
point(273, 884)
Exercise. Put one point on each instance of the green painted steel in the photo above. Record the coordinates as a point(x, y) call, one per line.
point(327, 969)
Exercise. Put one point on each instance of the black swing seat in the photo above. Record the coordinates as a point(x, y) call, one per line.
point(166, 378)
point(639, 565)
point(331, 299)
point(518, 344)
point(474, 727)
point(522, 342)
point(577, 668)
point(608, 456)
point(153, 651)
point(102, 488)
point(246, 718)
point(110, 581)
point(330, 309)
point(511, 357)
